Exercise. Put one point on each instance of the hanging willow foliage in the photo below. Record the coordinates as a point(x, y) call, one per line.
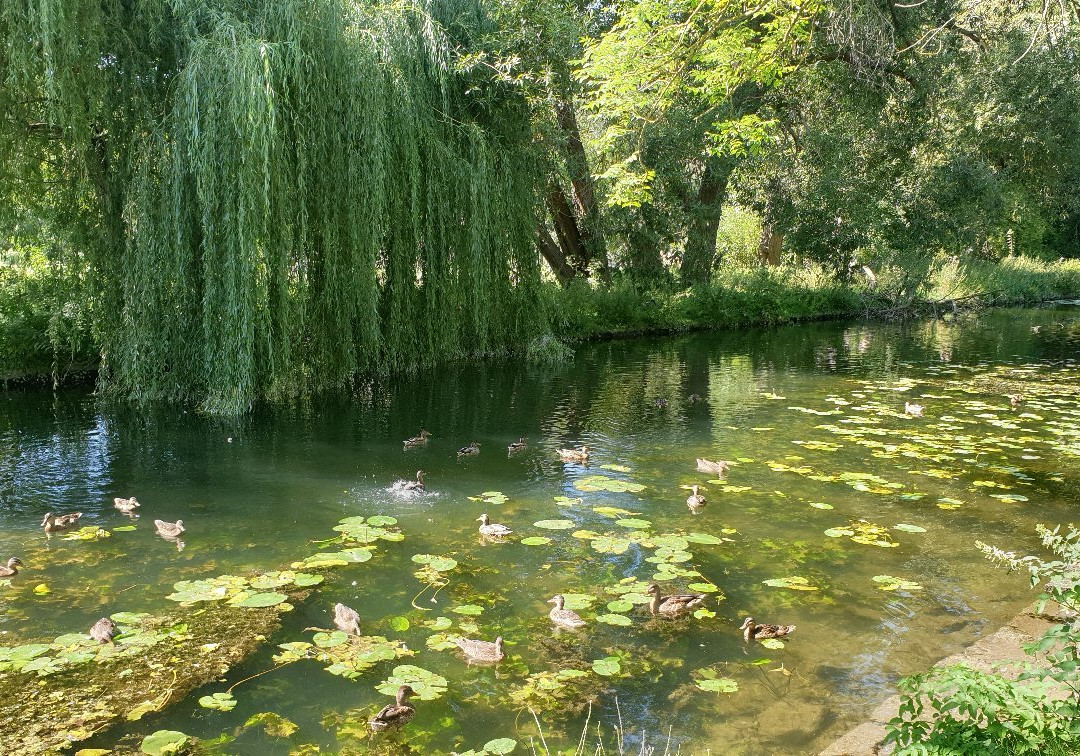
point(273, 195)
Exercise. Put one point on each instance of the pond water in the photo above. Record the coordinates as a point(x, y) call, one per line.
point(831, 485)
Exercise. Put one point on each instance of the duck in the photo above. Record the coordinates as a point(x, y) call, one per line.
point(395, 714)
point(752, 631)
point(564, 617)
point(482, 651)
point(915, 410)
point(169, 529)
point(693, 399)
point(675, 604)
point(12, 568)
point(420, 440)
point(492, 529)
point(104, 630)
point(517, 446)
point(719, 467)
point(469, 451)
point(1036, 329)
point(127, 506)
point(695, 500)
point(347, 619)
point(661, 403)
point(414, 485)
point(60, 522)
point(575, 455)
point(1016, 399)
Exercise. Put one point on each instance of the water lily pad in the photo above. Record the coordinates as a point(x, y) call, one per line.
point(399, 624)
point(218, 701)
point(260, 600)
point(614, 512)
point(577, 601)
point(554, 524)
point(470, 610)
point(593, 483)
point(331, 639)
point(567, 501)
point(437, 563)
point(306, 579)
point(163, 742)
point(702, 587)
point(820, 505)
point(619, 606)
point(500, 745)
point(607, 666)
point(124, 528)
point(773, 643)
point(380, 521)
point(615, 619)
point(795, 583)
point(610, 545)
point(439, 624)
point(535, 541)
point(633, 522)
point(428, 685)
point(718, 685)
point(704, 538)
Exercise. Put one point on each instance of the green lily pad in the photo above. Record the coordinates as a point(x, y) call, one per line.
point(261, 600)
point(620, 620)
point(163, 742)
point(439, 624)
point(554, 524)
point(890, 583)
point(610, 544)
point(437, 563)
point(218, 701)
point(124, 528)
point(619, 606)
point(470, 610)
point(704, 538)
point(399, 624)
point(795, 583)
point(607, 666)
point(380, 521)
point(773, 643)
point(577, 601)
point(428, 685)
point(718, 685)
point(535, 541)
point(500, 745)
point(331, 639)
point(634, 522)
point(306, 579)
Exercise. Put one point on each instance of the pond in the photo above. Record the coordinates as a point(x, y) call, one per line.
point(840, 514)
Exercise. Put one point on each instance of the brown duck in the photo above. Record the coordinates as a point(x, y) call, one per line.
point(420, 440)
point(752, 631)
point(127, 506)
point(104, 630)
point(169, 529)
point(347, 619)
point(482, 651)
point(12, 568)
point(395, 714)
point(567, 618)
point(574, 455)
point(675, 604)
point(414, 485)
point(53, 522)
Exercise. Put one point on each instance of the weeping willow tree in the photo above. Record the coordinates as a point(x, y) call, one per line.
point(267, 196)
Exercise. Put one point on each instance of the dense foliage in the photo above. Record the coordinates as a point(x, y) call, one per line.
point(252, 198)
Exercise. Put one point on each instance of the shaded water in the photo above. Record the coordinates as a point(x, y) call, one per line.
point(256, 492)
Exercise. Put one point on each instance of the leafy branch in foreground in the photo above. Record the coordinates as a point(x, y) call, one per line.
point(958, 709)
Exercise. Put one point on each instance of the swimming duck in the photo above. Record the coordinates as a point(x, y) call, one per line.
point(564, 617)
point(420, 440)
point(517, 446)
point(695, 500)
point(395, 714)
point(12, 568)
point(169, 529)
point(575, 455)
point(719, 468)
point(469, 451)
point(104, 630)
point(675, 604)
point(752, 631)
point(483, 651)
point(693, 399)
point(1036, 329)
point(60, 522)
point(915, 410)
point(1016, 399)
point(347, 619)
point(127, 506)
point(661, 403)
point(414, 485)
point(493, 529)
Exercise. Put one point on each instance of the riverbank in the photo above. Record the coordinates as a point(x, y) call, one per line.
point(46, 340)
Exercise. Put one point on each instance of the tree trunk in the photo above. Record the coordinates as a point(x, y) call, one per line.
point(700, 249)
point(584, 190)
point(553, 253)
point(770, 245)
point(566, 229)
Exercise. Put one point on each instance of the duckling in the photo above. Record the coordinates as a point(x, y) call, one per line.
point(347, 619)
point(674, 605)
point(575, 455)
point(661, 403)
point(169, 530)
point(415, 441)
point(518, 446)
point(693, 399)
point(718, 468)
point(395, 714)
point(492, 529)
point(127, 506)
point(695, 500)
point(1016, 400)
point(414, 485)
point(469, 451)
point(104, 630)
point(564, 617)
point(60, 522)
point(915, 410)
point(752, 631)
point(12, 568)
point(482, 651)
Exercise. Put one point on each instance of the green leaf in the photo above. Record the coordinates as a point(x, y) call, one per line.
point(718, 685)
point(500, 745)
point(773, 643)
point(554, 524)
point(260, 600)
point(163, 742)
point(535, 541)
point(218, 701)
point(607, 666)
point(471, 610)
point(620, 620)
point(399, 624)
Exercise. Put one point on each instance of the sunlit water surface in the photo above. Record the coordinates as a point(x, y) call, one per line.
point(794, 408)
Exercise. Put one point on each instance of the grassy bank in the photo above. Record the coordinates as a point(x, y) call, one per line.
point(44, 328)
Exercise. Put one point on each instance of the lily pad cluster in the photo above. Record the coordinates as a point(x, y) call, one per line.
point(253, 593)
point(345, 655)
